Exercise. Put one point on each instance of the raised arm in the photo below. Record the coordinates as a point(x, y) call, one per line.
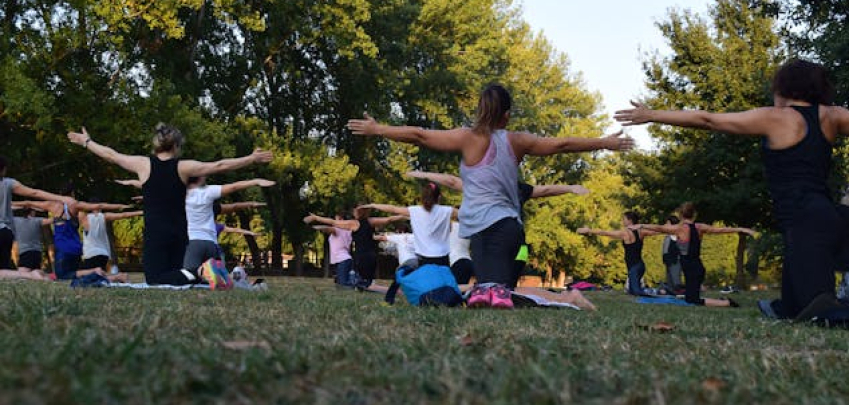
point(329, 230)
point(558, 189)
point(241, 185)
point(349, 224)
point(530, 144)
point(598, 232)
point(446, 180)
point(136, 164)
point(380, 222)
point(389, 209)
point(117, 216)
point(443, 140)
point(704, 228)
point(760, 121)
point(28, 192)
point(233, 207)
point(664, 229)
point(194, 168)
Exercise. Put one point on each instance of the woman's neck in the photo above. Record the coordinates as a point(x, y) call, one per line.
point(165, 155)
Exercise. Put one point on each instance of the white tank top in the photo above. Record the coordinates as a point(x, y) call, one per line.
point(459, 246)
point(95, 239)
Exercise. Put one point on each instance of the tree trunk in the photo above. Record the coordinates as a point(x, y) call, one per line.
point(325, 260)
point(298, 251)
point(245, 223)
point(742, 239)
point(277, 247)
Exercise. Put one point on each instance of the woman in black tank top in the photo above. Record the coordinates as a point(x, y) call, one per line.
point(689, 236)
point(362, 229)
point(798, 133)
point(632, 244)
point(163, 177)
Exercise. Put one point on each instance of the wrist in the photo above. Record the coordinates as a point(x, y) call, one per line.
point(86, 141)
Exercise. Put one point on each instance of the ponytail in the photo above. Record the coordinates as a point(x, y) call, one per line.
point(167, 139)
point(430, 195)
point(495, 102)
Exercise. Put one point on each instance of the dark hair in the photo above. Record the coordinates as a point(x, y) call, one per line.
point(3, 164)
point(68, 189)
point(167, 139)
point(216, 208)
point(430, 195)
point(673, 219)
point(94, 200)
point(401, 227)
point(802, 80)
point(632, 216)
point(192, 181)
point(364, 211)
point(495, 101)
point(27, 211)
point(687, 210)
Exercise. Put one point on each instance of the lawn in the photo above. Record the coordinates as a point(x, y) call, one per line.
point(303, 341)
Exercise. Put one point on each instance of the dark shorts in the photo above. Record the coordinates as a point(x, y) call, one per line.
point(7, 238)
point(30, 259)
point(439, 261)
point(95, 262)
point(66, 266)
point(198, 252)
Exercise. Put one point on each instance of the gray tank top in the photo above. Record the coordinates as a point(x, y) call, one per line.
point(6, 219)
point(95, 240)
point(489, 187)
point(28, 234)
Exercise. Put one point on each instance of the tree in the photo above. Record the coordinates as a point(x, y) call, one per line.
point(720, 64)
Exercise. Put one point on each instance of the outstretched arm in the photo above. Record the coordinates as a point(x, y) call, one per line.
point(664, 229)
point(443, 140)
point(387, 208)
point(129, 182)
point(381, 222)
point(28, 192)
point(530, 144)
point(349, 224)
point(241, 185)
point(598, 232)
point(381, 238)
point(329, 230)
point(760, 121)
point(35, 205)
point(239, 231)
point(135, 164)
point(112, 216)
point(446, 180)
point(87, 206)
point(704, 228)
point(233, 207)
point(558, 189)
point(194, 168)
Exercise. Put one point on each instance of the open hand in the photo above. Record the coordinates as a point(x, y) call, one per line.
point(79, 138)
point(618, 142)
point(579, 189)
point(309, 219)
point(264, 182)
point(262, 156)
point(583, 231)
point(634, 116)
point(365, 126)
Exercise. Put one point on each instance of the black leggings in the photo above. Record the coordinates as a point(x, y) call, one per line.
point(462, 270)
point(494, 252)
point(439, 261)
point(7, 238)
point(365, 264)
point(814, 245)
point(694, 276)
point(162, 260)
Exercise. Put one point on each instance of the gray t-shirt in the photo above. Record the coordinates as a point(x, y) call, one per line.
point(28, 234)
point(6, 218)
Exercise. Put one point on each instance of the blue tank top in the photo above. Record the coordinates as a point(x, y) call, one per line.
point(490, 193)
point(795, 173)
point(66, 234)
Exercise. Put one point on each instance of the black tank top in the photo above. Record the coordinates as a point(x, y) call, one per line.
point(363, 237)
point(693, 250)
point(800, 170)
point(164, 201)
point(633, 251)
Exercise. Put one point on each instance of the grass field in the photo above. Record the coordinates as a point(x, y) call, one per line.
point(305, 342)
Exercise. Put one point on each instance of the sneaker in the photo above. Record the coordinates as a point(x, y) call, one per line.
point(480, 297)
point(500, 297)
point(821, 303)
point(216, 276)
point(728, 290)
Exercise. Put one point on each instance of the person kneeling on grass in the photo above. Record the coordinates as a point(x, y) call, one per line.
point(689, 235)
point(28, 230)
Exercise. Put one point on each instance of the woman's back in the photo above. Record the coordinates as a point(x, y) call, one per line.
point(164, 199)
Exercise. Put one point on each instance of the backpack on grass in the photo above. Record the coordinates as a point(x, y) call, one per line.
point(428, 285)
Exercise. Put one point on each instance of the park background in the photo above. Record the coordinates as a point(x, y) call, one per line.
point(287, 75)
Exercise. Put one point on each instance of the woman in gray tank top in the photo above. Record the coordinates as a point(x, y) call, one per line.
point(489, 215)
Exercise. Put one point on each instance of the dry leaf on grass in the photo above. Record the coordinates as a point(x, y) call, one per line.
point(466, 340)
point(713, 384)
point(661, 327)
point(246, 344)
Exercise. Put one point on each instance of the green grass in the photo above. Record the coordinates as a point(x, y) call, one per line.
point(313, 344)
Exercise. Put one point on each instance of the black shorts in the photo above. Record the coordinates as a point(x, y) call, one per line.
point(95, 262)
point(30, 260)
point(463, 270)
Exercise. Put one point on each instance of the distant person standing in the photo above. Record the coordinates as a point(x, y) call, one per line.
point(672, 258)
point(339, 241)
